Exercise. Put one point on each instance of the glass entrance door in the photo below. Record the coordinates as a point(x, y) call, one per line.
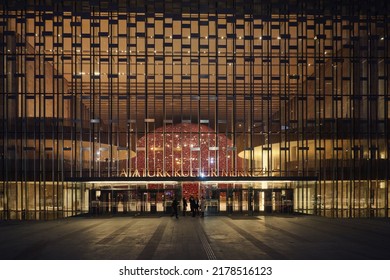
point(240, 200)
point(211, 194)
point(258, 201)
point(273, 201)
point(143, 199)
point(219, 198)
point(171, 191)
point(223, 201)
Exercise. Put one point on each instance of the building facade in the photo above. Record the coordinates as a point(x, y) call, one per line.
point(258, 106)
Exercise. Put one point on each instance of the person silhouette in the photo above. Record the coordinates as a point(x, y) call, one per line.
point(184, 206)
point(202, 203)
point(174, 207)
point(196, 208)
point(192, 205)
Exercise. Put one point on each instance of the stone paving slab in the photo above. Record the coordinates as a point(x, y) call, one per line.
point(187, 238)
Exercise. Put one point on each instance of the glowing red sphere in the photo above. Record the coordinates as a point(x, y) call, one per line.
point(187, 149)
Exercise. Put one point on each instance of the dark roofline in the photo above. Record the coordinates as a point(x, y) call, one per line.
point(239, 8)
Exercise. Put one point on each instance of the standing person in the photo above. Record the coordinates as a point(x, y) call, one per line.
point(202, 206)
point(174, 208)
point(192, 206)
point(197, 207)
point(184, 206)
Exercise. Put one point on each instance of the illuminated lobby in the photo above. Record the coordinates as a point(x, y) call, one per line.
point(260, 107)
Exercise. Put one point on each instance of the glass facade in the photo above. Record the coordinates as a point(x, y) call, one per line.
point(260, 106)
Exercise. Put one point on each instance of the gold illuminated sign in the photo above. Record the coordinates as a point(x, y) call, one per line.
point(159, 173)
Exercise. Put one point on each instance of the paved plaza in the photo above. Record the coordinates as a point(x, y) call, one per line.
point(212, 237)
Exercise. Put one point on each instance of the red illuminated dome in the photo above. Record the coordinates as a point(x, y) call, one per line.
point(187, 149)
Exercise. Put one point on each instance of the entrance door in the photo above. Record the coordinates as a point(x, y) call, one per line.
point(212, 194)
point(223, 201)
point(235, 199)
point(171, 191)
point(136, 199)
point(287, 201)
point(273, 201)
point(268, 201)
point(258, 201)
point(156, 198)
